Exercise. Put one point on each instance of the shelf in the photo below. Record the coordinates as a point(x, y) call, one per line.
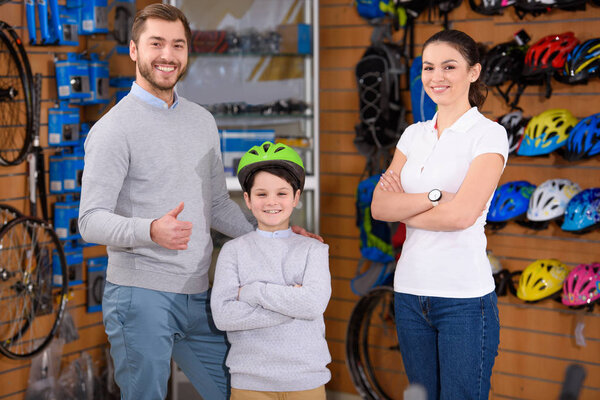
point(233, 185)
point(259, 119)
point(251, 55)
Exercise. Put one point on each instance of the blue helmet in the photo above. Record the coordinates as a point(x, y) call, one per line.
point(510, 201)
point(584, 139)
point(583, 212)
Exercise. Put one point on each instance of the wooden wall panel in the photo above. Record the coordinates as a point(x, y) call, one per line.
point(13, 191)
point(537, 340)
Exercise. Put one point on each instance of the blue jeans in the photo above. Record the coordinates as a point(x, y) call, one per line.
point(146, 328)
point(448, 345)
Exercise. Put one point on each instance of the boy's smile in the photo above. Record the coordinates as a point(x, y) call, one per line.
point(271, 200)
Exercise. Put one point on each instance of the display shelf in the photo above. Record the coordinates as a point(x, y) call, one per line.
point(300, 55)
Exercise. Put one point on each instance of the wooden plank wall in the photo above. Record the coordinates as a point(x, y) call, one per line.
point(537, 340)
point(13, 191)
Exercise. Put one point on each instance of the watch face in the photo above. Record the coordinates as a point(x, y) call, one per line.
point(435, 195)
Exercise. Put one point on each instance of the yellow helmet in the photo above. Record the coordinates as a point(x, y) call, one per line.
point(542, 279)
point(547, 132)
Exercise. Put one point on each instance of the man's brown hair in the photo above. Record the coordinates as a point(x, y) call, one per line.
point(159, 11)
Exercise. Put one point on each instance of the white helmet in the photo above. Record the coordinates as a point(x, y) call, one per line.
point(549, 200)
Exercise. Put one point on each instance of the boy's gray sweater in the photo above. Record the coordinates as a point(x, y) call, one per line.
point(141, 161)
point(276, 330)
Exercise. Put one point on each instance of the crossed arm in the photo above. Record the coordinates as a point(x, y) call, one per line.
point(455, 211)
point(262, 305)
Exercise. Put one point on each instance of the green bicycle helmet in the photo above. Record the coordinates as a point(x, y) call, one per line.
point(270, 155)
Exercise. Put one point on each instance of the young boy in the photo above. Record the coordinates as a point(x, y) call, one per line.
point(272, 286)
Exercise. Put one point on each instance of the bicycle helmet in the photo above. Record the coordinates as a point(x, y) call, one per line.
point(581, 285)
point(510, 201)
point(515, 124)
point(270, 155)
point(549, 54)
point(542, 279)
point(547, 132)
point(584, 139)
point(534, 7)
point(495, 263)
point(583, 62)
point(583, 212)
point(503, 63)
point(549, 200)
point(490, 7)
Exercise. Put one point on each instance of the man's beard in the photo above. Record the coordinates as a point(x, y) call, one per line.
point(146, 72)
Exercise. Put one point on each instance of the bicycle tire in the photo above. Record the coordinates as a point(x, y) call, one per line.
point(371, 343)
point(16, 98)
point(31, 304)
point(7, 214)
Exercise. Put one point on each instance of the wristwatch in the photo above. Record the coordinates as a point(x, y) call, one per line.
point(435, 196)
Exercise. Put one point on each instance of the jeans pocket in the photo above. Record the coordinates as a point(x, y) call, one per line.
point(123, 302)
point(494, 305)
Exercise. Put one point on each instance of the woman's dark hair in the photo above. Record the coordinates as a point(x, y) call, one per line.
point(281, 172)
point(469, 49)
point(159, 11)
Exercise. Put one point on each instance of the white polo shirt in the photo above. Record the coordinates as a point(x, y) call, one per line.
point(446, 264)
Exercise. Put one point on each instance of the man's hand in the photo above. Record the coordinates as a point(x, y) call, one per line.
point(170, 233)
point(301, 231)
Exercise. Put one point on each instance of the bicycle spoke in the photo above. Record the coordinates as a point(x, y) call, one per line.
point(30, 305)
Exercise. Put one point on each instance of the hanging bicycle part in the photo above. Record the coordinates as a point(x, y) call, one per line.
point(35, 159)
point(7, 214)
point(32, 296)
point(16, 103)
point(372, 352)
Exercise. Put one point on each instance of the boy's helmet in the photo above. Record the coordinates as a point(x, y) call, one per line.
point(270, 155)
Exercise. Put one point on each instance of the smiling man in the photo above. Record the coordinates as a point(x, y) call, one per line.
point(153, 186)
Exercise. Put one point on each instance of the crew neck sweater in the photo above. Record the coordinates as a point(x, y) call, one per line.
point(276, 330)
point(141, 161)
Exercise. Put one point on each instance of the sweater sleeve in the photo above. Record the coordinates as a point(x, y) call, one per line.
point(229, 313)
point(306, 302)
point(106, 166)
point(227, 217)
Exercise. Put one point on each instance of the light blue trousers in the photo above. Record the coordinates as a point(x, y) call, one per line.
point(146, 328)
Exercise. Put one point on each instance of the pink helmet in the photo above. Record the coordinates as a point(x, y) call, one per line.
point(582, 285)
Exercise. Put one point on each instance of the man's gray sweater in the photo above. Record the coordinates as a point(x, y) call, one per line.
point(141, 161)
point(276, 330)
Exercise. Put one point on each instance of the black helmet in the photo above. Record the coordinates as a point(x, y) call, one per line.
point(490, 7)
point(503, 63)
point(583, 62)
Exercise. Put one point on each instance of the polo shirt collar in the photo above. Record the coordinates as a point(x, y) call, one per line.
point(462, 124)
point(277, 234)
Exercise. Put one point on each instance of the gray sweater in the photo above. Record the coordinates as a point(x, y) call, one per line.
point(141, 161)
point(276, 330)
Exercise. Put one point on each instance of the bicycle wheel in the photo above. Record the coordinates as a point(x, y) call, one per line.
point(7, 214)
point(31, 305)
point(16, 102)
point(372, 352)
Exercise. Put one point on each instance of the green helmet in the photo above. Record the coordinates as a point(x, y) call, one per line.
point(270, 155)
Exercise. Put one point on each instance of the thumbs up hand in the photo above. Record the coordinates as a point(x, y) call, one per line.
point(170, 233)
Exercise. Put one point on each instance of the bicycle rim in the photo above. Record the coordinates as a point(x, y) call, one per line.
point(7, 214)
point(16, 102)
point(372, 347)
point(31, 305)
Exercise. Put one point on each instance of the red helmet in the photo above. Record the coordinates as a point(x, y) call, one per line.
point(549, 53)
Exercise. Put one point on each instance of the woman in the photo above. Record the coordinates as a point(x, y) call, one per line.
point(440, 184)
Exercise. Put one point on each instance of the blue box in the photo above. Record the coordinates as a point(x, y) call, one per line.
point(56, 174)
point(66, 214)
point(63, 125)
point(74, 257)
point(235, 143)
point(72, 171)
point(72, 78)
point(96, 276)
point(93, 17)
